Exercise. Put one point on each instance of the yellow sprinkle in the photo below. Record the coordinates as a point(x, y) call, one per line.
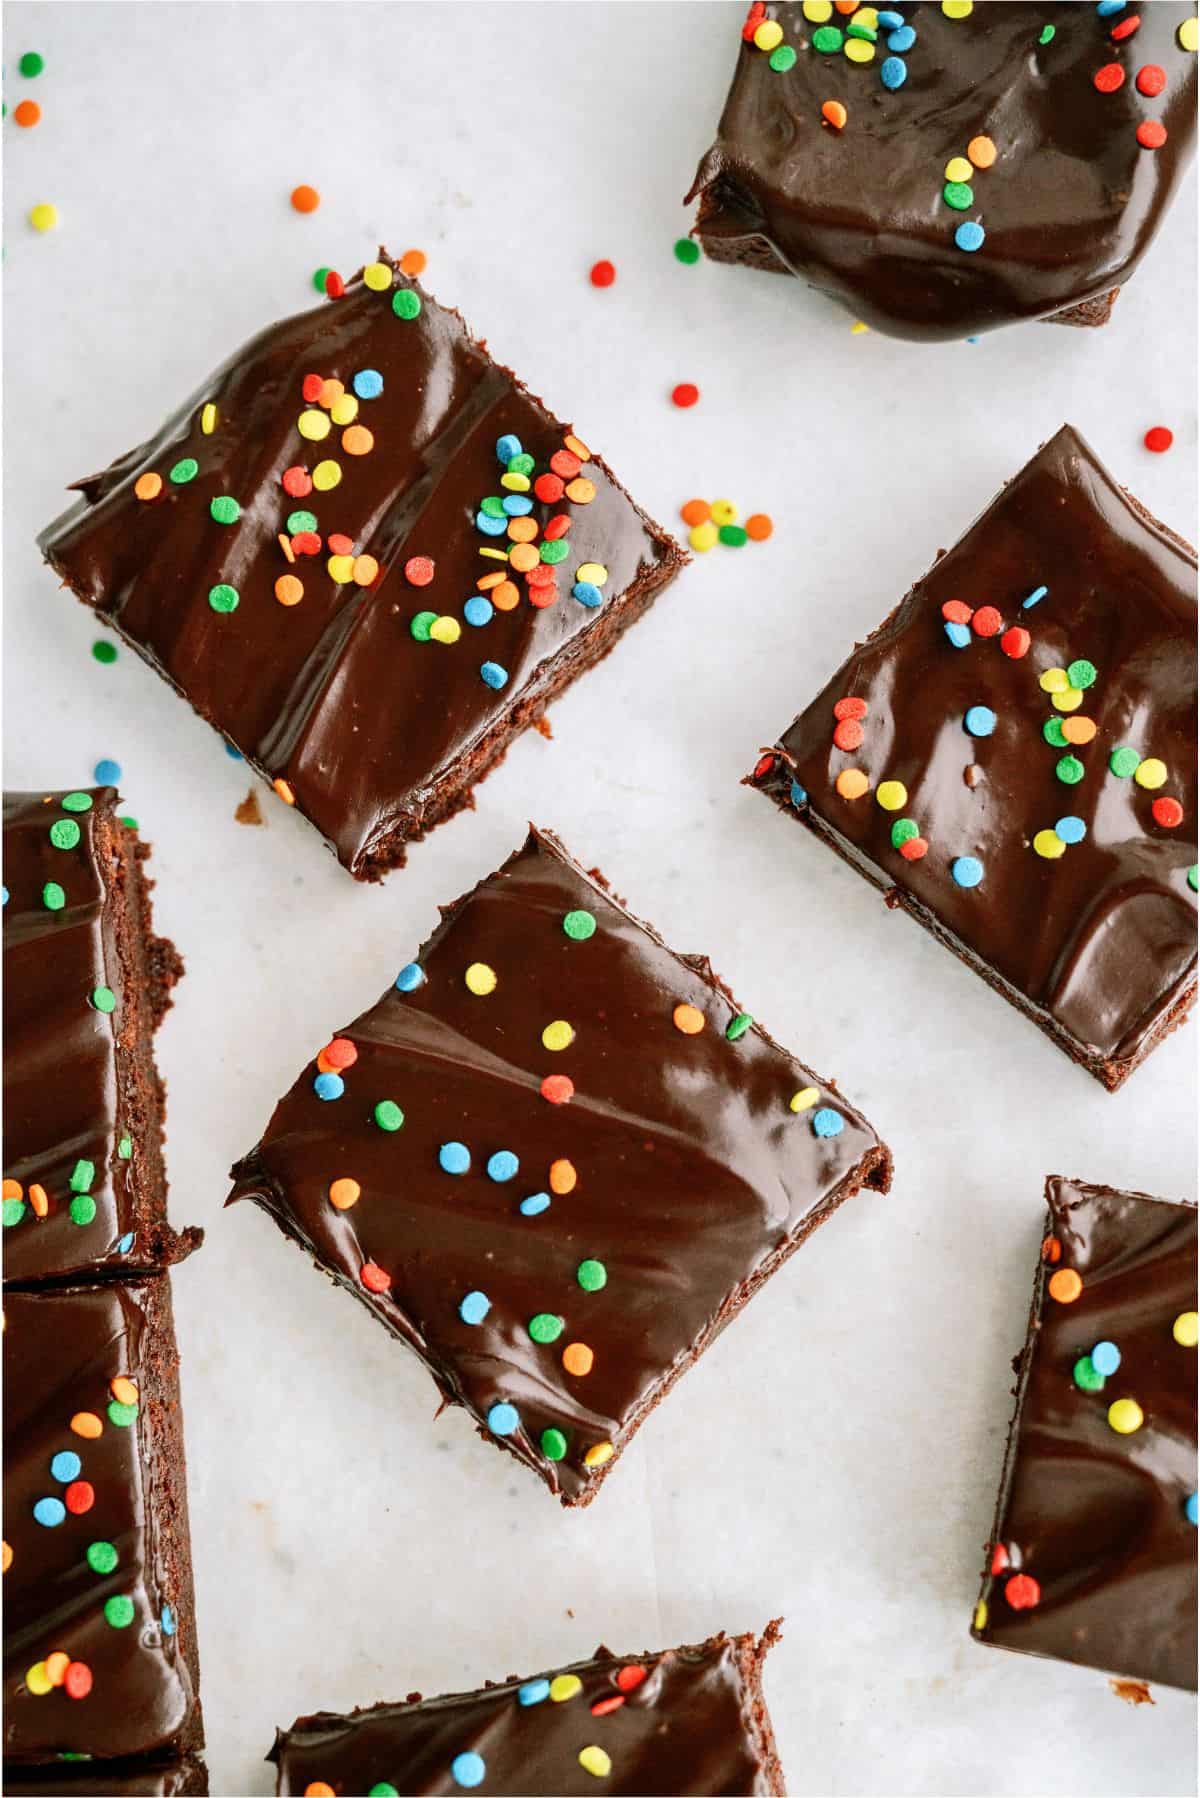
point(703, 537)
point(6, 1556)
point(208, 419)
point(891, 795)
point(956, 9)
point(1150, 773)
point(341, 569)
point(724, 512)
point(594, 1760)
point(480, 979)
point(1069, 700)
point(44, 217)
point(804, 1100)
point(377, 276)
point(958, 169)
point(445, 630)
point(558, 1035)
point(1186, 1329)
point(326, 475)
point(1188, 35)
point(515, 483)
point(852, 783)
point(344, 409)
point(1049, 845)
point(817, 11)
point(595, 572)
point(979, 1621)
point(858, 329)
point(1054, 680)
point(768, 35)
point(598, 1454)
point(37, 1680)
point(581, 491)
point(124, 1390)
point(1125, 1416)
point(868, 16)
point(313, 424)
point(577, 447)
point(857, 49)
point(564, 1686)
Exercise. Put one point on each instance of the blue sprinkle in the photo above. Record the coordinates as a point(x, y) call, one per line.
point(493, 675)
point(534, 1691)
point(535, 1204)
point(6, 895)
point(167, 1621)
point(966, 871)
point(507, 447)
point(502, 1165)
point(468, 1769)
point(969, 235)
point(517, 505)
point(828, 1122)
point(66, 1466)
point(106, 773)
point(1038, 593)
point(798, 794)
point(368, 383)
point(235, 755)
point(893, 72)
point(491, 527)
point(891, 21)
point(454, 1157)
point(1106, 1358)
point(502, 1421)
point(475, 1307)
point(980, 720)
point(479, 610)
point(587, 593)
point(902, 39)
point(1071, 829)
point(329, 1086)
point(1191, 1509)
point(958, 634)
point(1107, 8)
point(410, 977)
point(125, 1244)
point(50, 1512)
point(971, 340)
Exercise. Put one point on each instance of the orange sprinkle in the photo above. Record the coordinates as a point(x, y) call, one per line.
point(331, 392)
point(413, 262)
point(581, 491)
point(689, 1019)
point(148, 486)
point(357, 440)
point(289, 590)
point(365, 570)
point(522, 530)
point(284, 791)
point(305, 198)
point(6, 1561)
point(845, 6)
point(344, 1193)
point(577, 447)
point(1065, 1286)
point(86, 1423)
point(27, 113)
point(1078, 730)
point(577, 1358)
point(695, 511)
point(123, 1390)
point(285, 544)
point(562, 1176)
point(505, 596)
point(834, 113)
point(486, 582)
point(982, 152)
point(523, 557)
point(852, 783)
point(316, 1788)
point(12, 1189)
point(759, 526)
point(1051, 1249)
point(56, 1665)
point(38, 1200)
point(324, 1065)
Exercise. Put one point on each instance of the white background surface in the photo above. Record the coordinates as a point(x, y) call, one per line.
point(835, 1457)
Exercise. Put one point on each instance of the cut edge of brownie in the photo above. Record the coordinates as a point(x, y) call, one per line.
point(67, 1780)
point(752, 1655)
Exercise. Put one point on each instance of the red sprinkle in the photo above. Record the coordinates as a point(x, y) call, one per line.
point(1167, 812)
point(1151, 79)
point(418, 571)
point(603, 1706)
point(1023, 1592)
point(541, 575)
point(312, 387)
point(306, 543)
point(1015, 641)
point(335, 287)
point(1125, 29)
point(1159, 439)
point(341, 1052)
point(603, 274)
point(955, 612)
point(543, 596)
point(763, 766)
point(339, 545)
point(558, 1088)
point(374, 1278)
point(630, 1678)
point(850, 708)
point(999, 1558)
point(77, 1680)
point(549, 488)
point(295, 481)
point(556, 527)
point(848, 734)
point(914, 849)
point(1151, 135)
point(79, 1497)
point(986, 622)
point(754, 19)
point(685, 394)
point(1108, 79)
point(565, 464)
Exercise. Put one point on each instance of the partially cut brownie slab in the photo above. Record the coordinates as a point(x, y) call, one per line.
point(690, 1720)
point(1011, 756)
point(86, 984)
point(369, 556)
point(556, 1159)
point(99, 1639)
point(1093, 1550)
point(187, 1778)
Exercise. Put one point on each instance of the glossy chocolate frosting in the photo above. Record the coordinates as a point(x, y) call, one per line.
point(333, 695)
point(62, 1351)
point(1068, 206)
point(1099, 945)
point(79, 1087)
point(694, 1178)
point(694, 1721)
point(1095, 1518)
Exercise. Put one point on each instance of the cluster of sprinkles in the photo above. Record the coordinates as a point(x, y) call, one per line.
point(327, 281)
point(1150, 78)
point(26, 114)
point(845, 28)
point(716, 521)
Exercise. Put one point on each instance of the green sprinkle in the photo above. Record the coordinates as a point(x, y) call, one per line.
point(554, 1445)
point(223, 597)
point(1193, 876)
point(903, 831)
point(225, 510)
point(31, 64)
point(556, 550)
point(118, 1611)
point(64, 833)
point(420, 625)
point(129, 823)
point(592, 1275)
point(76, 802)
point(1070, 769)
point(13, 1212)
point(301, 521)
point(1124, 761)
point(783, 57)
point(101, 1557)
point(522, 464)
point(738, 1026)
point(103, 998)
point(545, 1327)
point(1047, 35)
point(53, 897)
point(184, 471)
point(1082, 673)
point(686, 251)
point(320, 277)
point(406, 303)
point(828, 40)
point(82, 1176)
point(579, 925)
point(493, 507)
point(388, 1115)
point(854, 29)
point(383, 1788)
point(121, 1415)
point(83, 1209)
point(1052, 730)
point(959, 195)
point(1085, 1375)
point(125, 1148)
point(732, 534)
point(105, 653)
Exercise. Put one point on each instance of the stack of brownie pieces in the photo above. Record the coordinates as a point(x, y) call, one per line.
point(101, 1682)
